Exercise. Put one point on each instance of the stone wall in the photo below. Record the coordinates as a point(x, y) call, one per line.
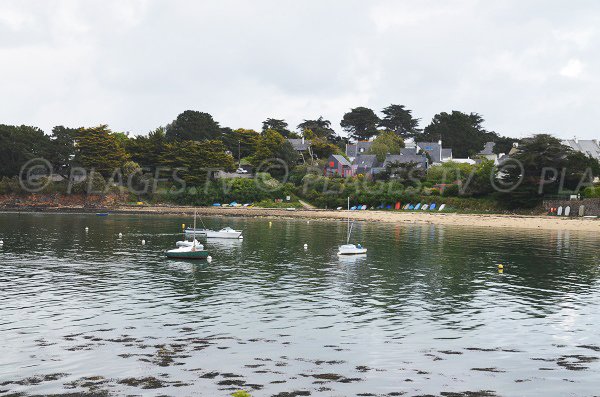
point(592, 206)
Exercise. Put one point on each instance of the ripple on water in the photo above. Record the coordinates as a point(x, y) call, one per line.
point(425, 312)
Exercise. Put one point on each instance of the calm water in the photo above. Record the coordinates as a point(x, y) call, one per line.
point(425, 313)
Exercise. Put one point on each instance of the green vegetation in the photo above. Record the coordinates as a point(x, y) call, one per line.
point(182, 163)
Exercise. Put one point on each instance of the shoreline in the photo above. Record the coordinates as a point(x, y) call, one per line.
point(396, 217)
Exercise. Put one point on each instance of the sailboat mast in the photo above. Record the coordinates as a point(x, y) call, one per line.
point(348, 238)
point(194, 233)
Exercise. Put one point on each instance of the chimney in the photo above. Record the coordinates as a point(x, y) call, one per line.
point(303, 139)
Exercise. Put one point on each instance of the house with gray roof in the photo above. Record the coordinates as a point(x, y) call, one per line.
point(419, 159)
point(589, 147)
point(300, 144)
point(435, 150)
point(356, 149)
point(338, 165)
point(364, 164)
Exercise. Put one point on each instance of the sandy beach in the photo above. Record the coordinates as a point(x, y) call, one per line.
point(398, 217)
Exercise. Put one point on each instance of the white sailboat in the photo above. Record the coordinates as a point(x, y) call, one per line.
point(351, 249)
point(188, 249)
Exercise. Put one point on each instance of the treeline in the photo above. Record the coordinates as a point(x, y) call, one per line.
point(194, 140)
point(194, 143)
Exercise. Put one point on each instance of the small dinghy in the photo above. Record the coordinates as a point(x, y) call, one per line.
point(351, 249)
point(186, 243)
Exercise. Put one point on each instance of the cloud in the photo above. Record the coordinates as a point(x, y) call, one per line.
point(525, 66)
point(572, 69)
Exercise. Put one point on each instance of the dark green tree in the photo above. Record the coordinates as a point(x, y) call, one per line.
point(462, 132)
point(147, 150)
point(272, 149)
point(548, 168)
point(361, 123)
point(280, 126)
point(98, 149)
point(19, 144)
point(241, 142)
point(400, 120)
point(192, 125)
point(320, 127)
point(61, 149)
point(196, 160)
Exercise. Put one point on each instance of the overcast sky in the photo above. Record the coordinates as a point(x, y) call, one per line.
point(526, 66)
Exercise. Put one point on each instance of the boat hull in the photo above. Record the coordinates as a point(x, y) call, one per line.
point(362, 251)
point(235, 234)
point(351, 249)
point(186, 254)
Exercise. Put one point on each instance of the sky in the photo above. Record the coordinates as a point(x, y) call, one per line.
point(525, 66)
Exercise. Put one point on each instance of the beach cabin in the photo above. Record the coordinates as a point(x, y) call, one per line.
point(338, 165)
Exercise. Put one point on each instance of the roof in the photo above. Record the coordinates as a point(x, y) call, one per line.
point(433, 148)
point(403, 159)
point(589, 147)
point(365, 163)
point(300, 144)
point(341, 159)
point(446, 154)
point(365, 160)
point(354, 149)
point(407, 151)
point(488, 149)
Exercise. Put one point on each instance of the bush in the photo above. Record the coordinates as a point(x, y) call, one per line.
point(451, 191)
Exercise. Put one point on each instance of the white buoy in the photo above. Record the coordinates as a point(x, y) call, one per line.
point(209, 258)
point(307, 222)
point(120, 235)
point(143, 242)
point(305, 246)
point(87, 228)
point(1, 242)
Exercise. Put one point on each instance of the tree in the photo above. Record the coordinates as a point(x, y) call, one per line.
point(192, 125)
point(62, 149)
point(322, 148)
point(272, 149)
point(460, 131)
point(410, 174)
point(360, 123)
point(19, 144)
point(504, 144)
point(280, 126)
point(98, 149)
point(320, 128)
point(241, 142)
point(548, 167)
point(196, 159)
point(399, 119)
point(147, 150)
point(386, 143)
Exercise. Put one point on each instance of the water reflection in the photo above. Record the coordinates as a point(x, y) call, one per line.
point(425, 299)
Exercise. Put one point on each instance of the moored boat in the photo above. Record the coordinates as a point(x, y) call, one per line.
point(226, 232)
point(187, 252)
point(351, 249)
point(188, 249)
